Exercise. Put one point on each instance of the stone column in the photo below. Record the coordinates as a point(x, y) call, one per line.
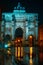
point(3, 26)
point(24, 34)
point(13, 26)
point(36, 30)
point(12, 30)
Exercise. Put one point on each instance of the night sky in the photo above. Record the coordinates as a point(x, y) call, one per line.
point(31, 6)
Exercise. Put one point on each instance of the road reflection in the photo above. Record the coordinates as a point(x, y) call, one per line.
point(31, 51)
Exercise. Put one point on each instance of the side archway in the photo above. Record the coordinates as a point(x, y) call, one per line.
point(7, 37)
point(31, 39)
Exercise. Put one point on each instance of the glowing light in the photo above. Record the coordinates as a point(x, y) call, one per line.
point(9, 44)
point(30, 36)
point(18, 51)
point(8, 52)
point(31, 62)
point(31, 50)
point(18, 40)
point(6, 45)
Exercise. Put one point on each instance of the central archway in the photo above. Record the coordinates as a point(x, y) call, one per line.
point(19, 49)
point(19, 32)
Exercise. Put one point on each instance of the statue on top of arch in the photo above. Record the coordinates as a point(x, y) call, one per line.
point(19, 7)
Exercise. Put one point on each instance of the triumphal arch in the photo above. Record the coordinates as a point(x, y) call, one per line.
point(19, 23)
